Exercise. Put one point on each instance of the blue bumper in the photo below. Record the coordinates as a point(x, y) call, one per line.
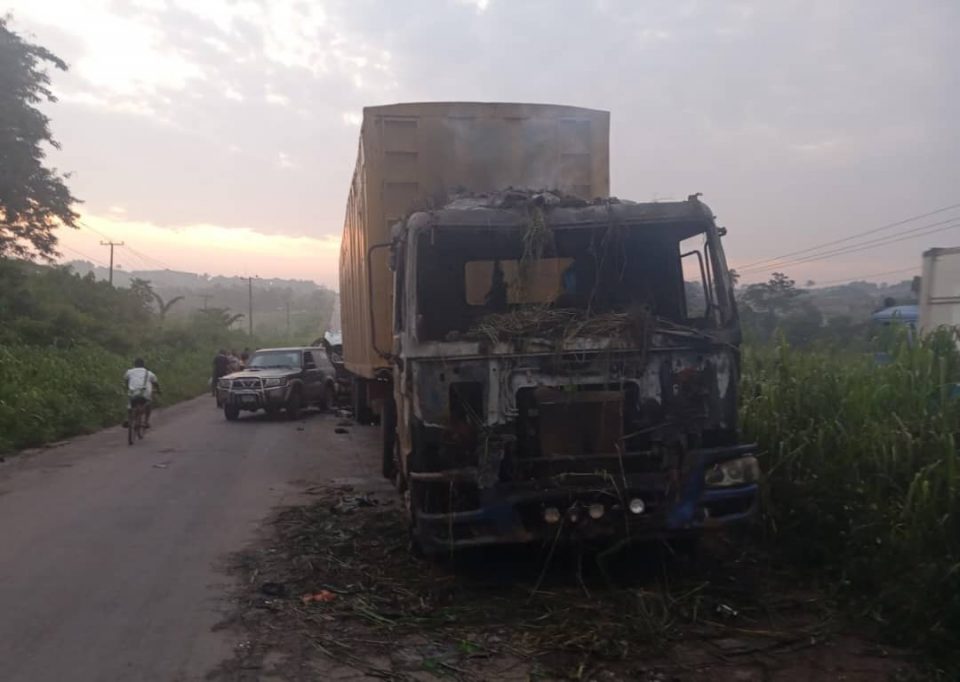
point(676, 502)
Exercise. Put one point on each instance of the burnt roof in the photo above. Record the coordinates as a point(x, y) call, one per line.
point(512, 209)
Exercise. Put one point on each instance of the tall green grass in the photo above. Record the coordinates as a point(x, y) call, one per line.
point(863, 476)
point(51, 393)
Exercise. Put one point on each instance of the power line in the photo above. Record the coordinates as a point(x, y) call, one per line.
point(862, 246)
point(764, 262)
point(146, 259)
point(149, 259)
point(859, 277)
point(93, 229)
point(83, 255)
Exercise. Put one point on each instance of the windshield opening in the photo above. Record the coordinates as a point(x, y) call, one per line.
point(274, 359)
point(467, 275)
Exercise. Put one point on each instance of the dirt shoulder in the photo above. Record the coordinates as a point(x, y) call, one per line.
point(332, 592)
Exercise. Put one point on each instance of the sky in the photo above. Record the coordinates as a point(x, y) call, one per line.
point(219, 136)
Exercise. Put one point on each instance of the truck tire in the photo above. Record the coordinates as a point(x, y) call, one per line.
point(361, 408)
point(231, 412)
point(388, 438)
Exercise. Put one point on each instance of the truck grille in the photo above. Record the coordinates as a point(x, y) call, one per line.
point(246, 384)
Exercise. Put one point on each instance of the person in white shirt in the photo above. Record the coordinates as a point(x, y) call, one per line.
point(141, 383)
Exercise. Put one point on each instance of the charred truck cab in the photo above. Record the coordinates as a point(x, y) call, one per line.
point(563, 369)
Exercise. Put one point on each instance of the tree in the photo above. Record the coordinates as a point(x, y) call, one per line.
point(219, 317)
point(164, 307)
point(777, 296)
point(34, 199)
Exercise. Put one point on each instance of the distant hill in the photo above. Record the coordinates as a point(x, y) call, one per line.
point(302, 305)
point(857, 300)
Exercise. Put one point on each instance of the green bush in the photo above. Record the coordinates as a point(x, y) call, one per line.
point(47, 394)
point(861, 462)
point(66, 340)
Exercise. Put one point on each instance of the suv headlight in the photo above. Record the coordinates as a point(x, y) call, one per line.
point(735, 472)
point(224, 383)
point(271, 383)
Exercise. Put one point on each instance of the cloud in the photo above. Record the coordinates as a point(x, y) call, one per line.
point(119, 56)
point(798, 120)
point(480, 6)
point(277, 99)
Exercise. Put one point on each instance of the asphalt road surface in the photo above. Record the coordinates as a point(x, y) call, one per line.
point(112, 556)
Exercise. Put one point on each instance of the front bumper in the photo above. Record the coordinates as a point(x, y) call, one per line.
point(254, 399)
point(675, 502)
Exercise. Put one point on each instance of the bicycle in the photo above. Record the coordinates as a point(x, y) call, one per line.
point(136, 420)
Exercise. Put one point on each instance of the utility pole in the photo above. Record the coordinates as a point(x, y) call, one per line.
point(250, 305)
point(111, 244)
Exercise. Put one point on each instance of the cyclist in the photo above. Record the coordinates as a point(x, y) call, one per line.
point(141, 383)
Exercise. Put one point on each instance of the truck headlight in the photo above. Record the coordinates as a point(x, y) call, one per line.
point(735, 472)
point(273, 383)
point(223, 383)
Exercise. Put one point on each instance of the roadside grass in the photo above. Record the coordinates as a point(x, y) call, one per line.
point(47, 394)
point(862, 478)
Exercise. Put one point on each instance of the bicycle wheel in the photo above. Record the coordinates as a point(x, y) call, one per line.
point(141, 422)
point(131, 425)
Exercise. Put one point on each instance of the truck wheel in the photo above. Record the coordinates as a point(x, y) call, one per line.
point(388, 438)
point(294, 404)
point(413, 537)
point(231, 412)
point(361, 410)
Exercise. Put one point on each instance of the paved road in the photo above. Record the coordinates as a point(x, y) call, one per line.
point(111, 556)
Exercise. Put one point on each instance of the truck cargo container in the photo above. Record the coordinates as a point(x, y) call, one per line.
point(416, 155)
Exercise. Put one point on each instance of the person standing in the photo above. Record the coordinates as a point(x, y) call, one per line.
point(221, 367)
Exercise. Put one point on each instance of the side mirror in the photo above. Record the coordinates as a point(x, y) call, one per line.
point(722, 231)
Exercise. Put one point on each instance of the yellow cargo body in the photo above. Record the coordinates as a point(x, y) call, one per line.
point(414, 156)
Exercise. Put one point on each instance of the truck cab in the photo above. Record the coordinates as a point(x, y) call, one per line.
point(563, 368)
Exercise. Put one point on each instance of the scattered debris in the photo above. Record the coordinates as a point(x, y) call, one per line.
point(161, 465)
point(271, 589)
point(340, 430)
point(727, 611)
point(348, 504)
point(388, 615)
point(323, 596)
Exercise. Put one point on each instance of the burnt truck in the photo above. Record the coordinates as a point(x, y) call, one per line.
point(554, 364)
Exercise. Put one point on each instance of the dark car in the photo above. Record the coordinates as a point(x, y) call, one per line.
point(277, 379)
